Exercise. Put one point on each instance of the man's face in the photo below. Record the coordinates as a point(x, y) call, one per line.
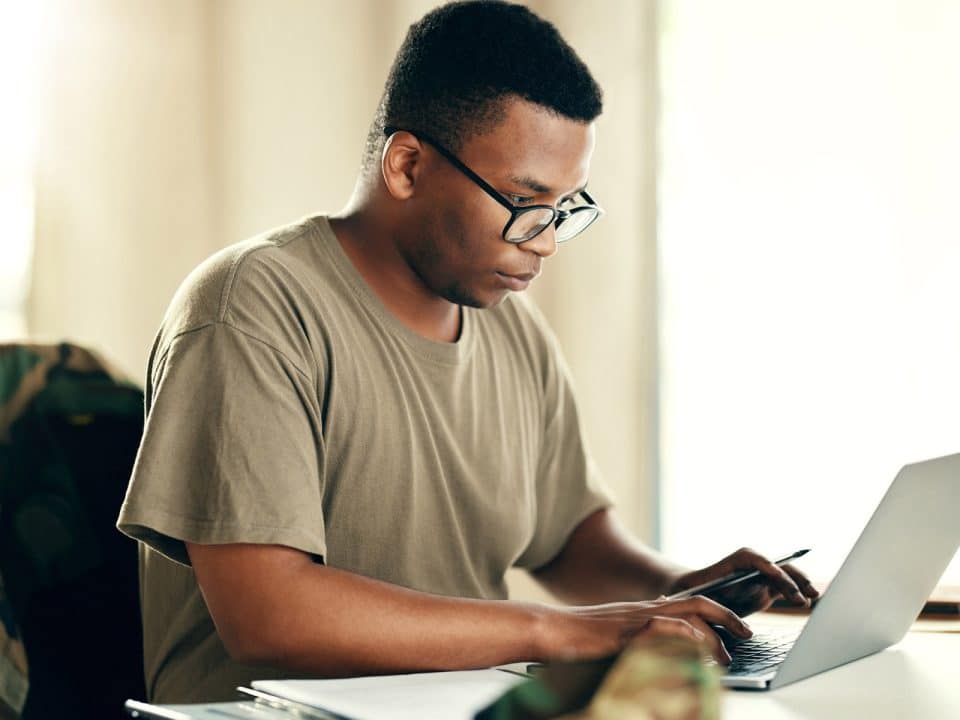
point(533, 157)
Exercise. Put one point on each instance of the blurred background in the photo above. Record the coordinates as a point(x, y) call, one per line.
point(764, 326)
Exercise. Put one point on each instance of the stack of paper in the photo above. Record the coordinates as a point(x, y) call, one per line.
point(421, 696)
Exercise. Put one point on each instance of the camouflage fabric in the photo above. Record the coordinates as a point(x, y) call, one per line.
point(25, 370)
point(662, 679)
point(69, 426)
point(666, 679)
point(46, 536)
point(13, 662)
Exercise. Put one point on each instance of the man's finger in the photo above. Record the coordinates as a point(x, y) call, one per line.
point(711, 611)
point(713, 640)
point(802, 581)
point(665, 625)
point(662, 625)
point(780, 579)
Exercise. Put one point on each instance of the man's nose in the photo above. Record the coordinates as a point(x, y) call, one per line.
point(544, 244)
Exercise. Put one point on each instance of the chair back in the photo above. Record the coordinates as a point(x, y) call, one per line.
point(70, 425)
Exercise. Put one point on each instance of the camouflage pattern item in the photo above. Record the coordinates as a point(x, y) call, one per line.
point(24, 371)
point(663, 679)
point(659, 679)
point(13, 663)
point(69, 426)
point(46, 536)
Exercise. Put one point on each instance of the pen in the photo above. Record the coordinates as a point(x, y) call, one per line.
point(731, 579)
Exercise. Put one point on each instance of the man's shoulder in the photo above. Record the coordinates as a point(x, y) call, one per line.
point(248, 271)
point(259, 285)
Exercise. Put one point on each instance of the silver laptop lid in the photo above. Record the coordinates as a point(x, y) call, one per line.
point(888, 576)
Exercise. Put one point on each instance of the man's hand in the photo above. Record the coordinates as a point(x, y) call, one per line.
point(749, 596)
point(597, 630)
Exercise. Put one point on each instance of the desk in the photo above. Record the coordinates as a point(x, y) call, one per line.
point(917, 679)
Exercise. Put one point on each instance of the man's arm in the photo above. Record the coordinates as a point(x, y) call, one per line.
point(274, 605)
point(602, 562)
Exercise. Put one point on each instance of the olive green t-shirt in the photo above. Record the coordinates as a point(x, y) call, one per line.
point(287, 405)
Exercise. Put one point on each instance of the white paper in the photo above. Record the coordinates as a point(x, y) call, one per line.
point(421, 696)
point(242, 710)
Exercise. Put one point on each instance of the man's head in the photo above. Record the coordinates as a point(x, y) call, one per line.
point(499, 89)
point(461, 61)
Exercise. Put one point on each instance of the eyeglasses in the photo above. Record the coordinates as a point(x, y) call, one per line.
point(528, 221)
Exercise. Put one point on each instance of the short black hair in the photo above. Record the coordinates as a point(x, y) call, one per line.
point(461, 61)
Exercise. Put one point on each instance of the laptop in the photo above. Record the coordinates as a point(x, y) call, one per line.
point(878, 591)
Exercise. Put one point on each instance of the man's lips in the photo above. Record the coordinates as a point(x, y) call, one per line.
point(516, 282)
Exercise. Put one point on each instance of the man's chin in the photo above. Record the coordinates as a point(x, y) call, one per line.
point(490, 301)
point(459, 295)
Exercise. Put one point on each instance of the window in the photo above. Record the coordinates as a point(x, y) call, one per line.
point(809, 267)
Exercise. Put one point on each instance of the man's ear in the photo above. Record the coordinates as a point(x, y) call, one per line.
point(400, 164)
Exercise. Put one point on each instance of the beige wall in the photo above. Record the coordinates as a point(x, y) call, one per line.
point(125, 181)
point(178, 127)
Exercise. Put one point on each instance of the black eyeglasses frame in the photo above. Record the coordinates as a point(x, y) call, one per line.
point(559, 214)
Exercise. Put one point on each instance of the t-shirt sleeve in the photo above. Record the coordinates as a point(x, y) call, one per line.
point(232, 448)
point(568, 483)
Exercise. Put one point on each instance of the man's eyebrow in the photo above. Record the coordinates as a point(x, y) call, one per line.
point(530, 183)
point(538, 187)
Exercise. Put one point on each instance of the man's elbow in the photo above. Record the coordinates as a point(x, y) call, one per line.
point(251, 644)
point(248, 646)
point(249, 591)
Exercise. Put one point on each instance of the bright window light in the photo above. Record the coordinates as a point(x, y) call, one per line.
point(810, 267)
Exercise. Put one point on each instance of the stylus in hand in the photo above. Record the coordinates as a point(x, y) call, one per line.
point(731, 579)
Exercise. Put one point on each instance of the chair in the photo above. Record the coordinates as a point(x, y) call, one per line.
point(69, 431)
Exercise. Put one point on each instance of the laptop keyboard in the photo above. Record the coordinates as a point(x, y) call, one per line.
point(761, 653)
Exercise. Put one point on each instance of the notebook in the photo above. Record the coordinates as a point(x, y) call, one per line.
point(455, 695)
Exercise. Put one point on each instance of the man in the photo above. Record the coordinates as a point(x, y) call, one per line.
point(355, 425)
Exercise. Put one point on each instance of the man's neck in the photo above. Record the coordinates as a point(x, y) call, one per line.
point(374, 253)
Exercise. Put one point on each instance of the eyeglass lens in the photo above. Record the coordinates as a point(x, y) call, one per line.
point(576, 223)
point(530, 224)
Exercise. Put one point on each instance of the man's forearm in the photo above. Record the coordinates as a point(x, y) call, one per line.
point(332, 623)
point(357, 626)
point(602, 562)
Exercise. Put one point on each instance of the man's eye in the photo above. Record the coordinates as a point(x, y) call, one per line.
point(519, 199)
